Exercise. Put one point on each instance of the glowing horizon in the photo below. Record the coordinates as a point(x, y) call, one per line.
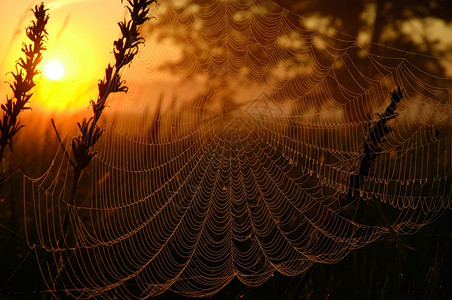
point(80, 37)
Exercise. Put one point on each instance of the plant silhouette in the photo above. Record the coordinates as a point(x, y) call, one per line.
point(24, 80)
point(125, 49)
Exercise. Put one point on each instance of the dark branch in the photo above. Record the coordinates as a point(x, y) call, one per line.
point(373, 144)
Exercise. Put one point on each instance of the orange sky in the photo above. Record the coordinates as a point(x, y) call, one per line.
point(81, 34)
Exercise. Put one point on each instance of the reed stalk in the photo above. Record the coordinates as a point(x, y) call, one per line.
point(124, 49)
point(24, 80)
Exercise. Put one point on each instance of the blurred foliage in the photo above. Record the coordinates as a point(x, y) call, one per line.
point(420, 29)
point(398, 24)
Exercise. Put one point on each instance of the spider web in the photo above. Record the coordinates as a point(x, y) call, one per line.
point(245, 171)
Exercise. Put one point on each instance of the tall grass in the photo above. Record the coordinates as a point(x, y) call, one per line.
point(24, 75)
point(24, 81)
point(125, 48)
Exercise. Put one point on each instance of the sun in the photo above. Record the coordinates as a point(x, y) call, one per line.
point(54, 70)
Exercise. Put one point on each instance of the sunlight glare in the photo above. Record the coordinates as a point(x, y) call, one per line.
point(54, 70)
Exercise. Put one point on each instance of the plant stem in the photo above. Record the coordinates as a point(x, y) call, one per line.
point(372, 145)
point(26, 70)
point(76, 180)
point(125, 49)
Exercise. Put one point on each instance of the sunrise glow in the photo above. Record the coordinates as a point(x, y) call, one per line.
point(78, 48)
